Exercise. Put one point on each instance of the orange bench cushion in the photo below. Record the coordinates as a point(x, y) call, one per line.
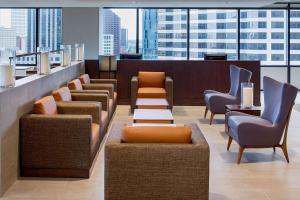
point(151, 92)
point(62, 94)
point(75, 85)
point(157, 134)
point(151, 79)
point(45, 106)
point(85, 79)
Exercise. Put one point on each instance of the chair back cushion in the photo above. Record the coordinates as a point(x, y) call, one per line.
point(45, 106)
point(151, 79)
point(156, 134)
point(62, 94)
point(75, 85)
point(85, 79)
point(237, 76)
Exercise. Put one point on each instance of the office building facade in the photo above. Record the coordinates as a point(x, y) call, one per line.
point(112, 26)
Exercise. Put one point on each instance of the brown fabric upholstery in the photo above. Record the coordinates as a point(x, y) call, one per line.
point(151, 79)
point(156, 134)
point(45, 106)
point(85, 79)
point(62, 94)
point(137, 171)
point(151, 92)
point(75, 85)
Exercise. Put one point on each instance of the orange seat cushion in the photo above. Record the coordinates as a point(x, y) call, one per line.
point(110, 105)
point(104, 118)
point(151, 92)
point(151, 79)
point(158, 134)
point(62, 94)
point(45, 106)
point(85, 79)
point(95, 137)
point(75, 85)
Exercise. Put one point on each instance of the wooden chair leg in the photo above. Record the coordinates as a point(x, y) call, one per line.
point(205, 113)
point(241, 151)
point(229, 142)
point(274, 149)
point(211, 118)
point(285, 152)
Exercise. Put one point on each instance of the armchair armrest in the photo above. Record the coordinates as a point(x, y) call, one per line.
point(103, 86)
point(134, 89)
point(112, 81)
point(103, 98)
point(81, 108)
point(90, 91)
point(169, 89)
point(56, 141)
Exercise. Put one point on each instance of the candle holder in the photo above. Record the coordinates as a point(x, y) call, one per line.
point(66, 55)
point(247, 95)
point(79, 52)
point(43, 63)
point(7, 68)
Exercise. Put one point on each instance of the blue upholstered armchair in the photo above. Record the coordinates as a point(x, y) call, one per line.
point(268, 130)
point(216, 101)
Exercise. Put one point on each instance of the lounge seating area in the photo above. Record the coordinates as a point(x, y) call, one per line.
point(122, 100)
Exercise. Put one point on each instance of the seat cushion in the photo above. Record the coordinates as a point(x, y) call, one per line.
point(45, 106)
point(95, 138)
point(104, 119)
point(85, 79)
point(75, 85)
point(62, 94)
point(151, 79)
point(156, 134)
point(151, 92)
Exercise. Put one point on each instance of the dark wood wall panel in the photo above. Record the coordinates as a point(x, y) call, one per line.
point(190, 78)
point(92, 68)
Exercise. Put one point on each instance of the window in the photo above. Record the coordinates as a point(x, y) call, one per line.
point(264, 38)
point(17, 29)
point(163, 33)
point(119, 31)
point(295, 37)
point(214, 32)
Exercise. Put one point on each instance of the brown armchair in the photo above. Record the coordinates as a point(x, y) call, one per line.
point(151, 85)
point(64, 95)
point(59, 140)
point(75, 86)
point(157, 166)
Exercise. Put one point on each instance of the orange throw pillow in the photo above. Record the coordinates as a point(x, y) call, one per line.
point(45, 106)
point(75, 85)
point(62, 94)
point(85, 79)
point(157, 134)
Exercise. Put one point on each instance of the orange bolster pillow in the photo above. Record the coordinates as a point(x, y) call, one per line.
point(156, 134)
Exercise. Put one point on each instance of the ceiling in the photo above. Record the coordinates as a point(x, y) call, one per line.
point(139, 3)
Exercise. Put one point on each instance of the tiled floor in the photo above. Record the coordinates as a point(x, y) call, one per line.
point(261, 175)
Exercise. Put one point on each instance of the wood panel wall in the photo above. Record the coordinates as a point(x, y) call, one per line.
point(190, 78)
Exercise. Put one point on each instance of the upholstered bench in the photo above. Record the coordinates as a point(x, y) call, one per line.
point(156, 163)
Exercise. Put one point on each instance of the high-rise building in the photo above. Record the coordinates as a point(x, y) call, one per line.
point(50, 28)
point(124, 39)
point(7, 38)
point(112, 26)
point(31, 30)
point(19, 23)
point(108, 44)
point(149, 27)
